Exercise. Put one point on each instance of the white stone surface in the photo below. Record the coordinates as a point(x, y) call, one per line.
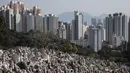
point(52, 61)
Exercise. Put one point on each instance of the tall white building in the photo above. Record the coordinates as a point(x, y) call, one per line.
point(129, 29)
point(94, 37)
point(116, 40)
point(23, 18)
point(77, 26)
point(68, 30)
point(109, 28)
point(103, 32)
point(3, 11)
point(16, 8)
point(9, 18)
point(61, 30)
point(120, 24)
point(29, 22)
point(94, 21)
point(38, 23)
point(51, 21)
point(116, 24)
point(125, 27)
point(45, 22)
point(17, 22)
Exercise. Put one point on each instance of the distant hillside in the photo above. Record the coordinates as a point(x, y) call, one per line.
point(69, 16)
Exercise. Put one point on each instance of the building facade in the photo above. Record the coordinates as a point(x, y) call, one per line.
point(116, 24)
point(68, 31)
point(61, 32)
point(116, 41)
point(109, 28)
point(94, 37)
point(94, 21)
point(125, 27)
point(45, 22)
point(77, 26)
point(129, 29)
point(82, 42)
point(38, 21)
point(29, 20)
point(17, 23)
point(9, 18)
point(51, 21)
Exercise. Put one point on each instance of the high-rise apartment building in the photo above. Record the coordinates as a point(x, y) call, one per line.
point(94, 37)
point(23, 17)
point(9, 18)
point(61, 30)
point(29, 20)
point(3, 12)
point(38, 21)
point(16, 8)
point(116, 40)
point(45, 22)
point(109, 28)
point(77, 26)
point(17, 22)
point(116, 24)
point(68, 31)
point(39, 11)
point(51, 21)
point(94, 21)
point(20, 6)
point(84, 29)
point(20, 19)
point(11, 4)
point(103, 31)
point(120, 24)
point(125, 27)
point(129, 29)
point(34, 10)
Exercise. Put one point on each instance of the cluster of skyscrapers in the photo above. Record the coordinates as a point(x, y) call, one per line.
point(91, 35)
point(114, 29)
point(22, 19)
point(117, 26)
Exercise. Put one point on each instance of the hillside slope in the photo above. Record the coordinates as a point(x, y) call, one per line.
point(31, 60)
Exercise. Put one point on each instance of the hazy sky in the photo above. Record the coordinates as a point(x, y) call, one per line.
point(93, 7)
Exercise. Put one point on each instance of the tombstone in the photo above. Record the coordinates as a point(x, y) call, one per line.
point(1, 71)
point(71, 71)
point(16, 58)
point(1, 52)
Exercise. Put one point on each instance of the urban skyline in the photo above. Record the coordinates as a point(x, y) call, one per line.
point(34, 42)
point(91, 7)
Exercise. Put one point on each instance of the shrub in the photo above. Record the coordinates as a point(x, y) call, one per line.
point(74, 49)
point(67, 47)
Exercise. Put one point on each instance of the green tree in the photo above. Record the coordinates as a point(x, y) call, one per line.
point(5, 37)
point(105, 52)
point(67, 47)
point(74, 49)
point(3, 27)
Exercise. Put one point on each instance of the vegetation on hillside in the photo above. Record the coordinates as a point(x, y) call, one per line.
point(11, 38)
